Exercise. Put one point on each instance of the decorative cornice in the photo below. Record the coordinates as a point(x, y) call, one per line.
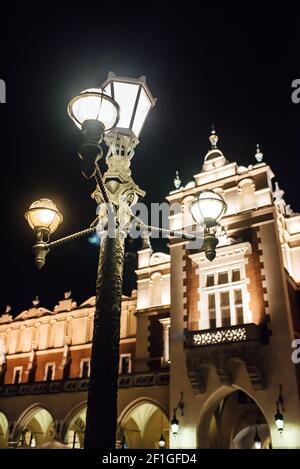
point(240, 249)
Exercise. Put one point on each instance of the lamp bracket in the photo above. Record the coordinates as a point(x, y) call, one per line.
point(180, 404)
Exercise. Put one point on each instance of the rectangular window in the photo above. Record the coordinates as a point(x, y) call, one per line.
point(85, 365)
point(49, 372)
point(210, 280)
point(212, 310)
point(238, 302)
point(125, 364)
point(225, 308)
point(236, 275)
point(222, 302)
point(17, 374)
point(223, 278)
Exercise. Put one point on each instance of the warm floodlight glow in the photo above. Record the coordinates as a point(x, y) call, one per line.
point(43, 215)
point(208, 207)
point(93, 104)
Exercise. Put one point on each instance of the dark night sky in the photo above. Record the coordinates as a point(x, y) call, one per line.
point(229, 66)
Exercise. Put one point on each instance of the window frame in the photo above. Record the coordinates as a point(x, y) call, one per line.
point(123, 355)
point(17, 368)
point(47, 365)
point(217, 289)
point(82, 361)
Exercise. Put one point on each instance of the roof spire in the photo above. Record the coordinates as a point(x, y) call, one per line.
point(213, 137)
point(36, 301)
point(259, 154)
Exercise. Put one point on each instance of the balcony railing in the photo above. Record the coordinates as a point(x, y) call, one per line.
point(223, 335)
point(79, 384)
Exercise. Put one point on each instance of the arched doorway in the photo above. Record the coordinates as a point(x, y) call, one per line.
point(142, 425)
point(74, 436)
point(235, 421)
point(3, 431)
point(35, 427)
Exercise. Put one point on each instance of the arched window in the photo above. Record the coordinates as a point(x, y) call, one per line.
point(156, 289)
point(73, 440)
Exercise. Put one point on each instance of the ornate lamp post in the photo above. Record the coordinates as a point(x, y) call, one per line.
point(115, 113)
point(97, 114)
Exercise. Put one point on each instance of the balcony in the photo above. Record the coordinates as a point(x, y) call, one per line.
point(220, 348)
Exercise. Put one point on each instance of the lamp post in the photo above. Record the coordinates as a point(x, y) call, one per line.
point(97, 114)
point(115, 113)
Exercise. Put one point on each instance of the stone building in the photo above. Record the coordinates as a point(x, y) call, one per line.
point(208, 342)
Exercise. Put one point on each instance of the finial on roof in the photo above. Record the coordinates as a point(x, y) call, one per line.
point(278, 193)
point(213, 137)
point(36, 301)
point(259, 154)
point(7, 309)
point(68, 295)
point(177, 181)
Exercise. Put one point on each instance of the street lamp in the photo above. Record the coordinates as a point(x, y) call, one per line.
point(257, 439)
point(174, 423)
point(209, 207)
point(43, 217)
point(119, 101)
point(278, 417)
point(162, 441)
point(94, 113)
point(279, 421)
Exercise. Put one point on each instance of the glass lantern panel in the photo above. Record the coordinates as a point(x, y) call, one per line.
point(125, 95)
point(210, 205)
point(142, 110)
point(96, 108)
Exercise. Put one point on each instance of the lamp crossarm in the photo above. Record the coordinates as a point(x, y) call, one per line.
point(72, 237)
point(171, 233)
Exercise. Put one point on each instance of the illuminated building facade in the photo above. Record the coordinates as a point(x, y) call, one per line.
point(212, 340)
